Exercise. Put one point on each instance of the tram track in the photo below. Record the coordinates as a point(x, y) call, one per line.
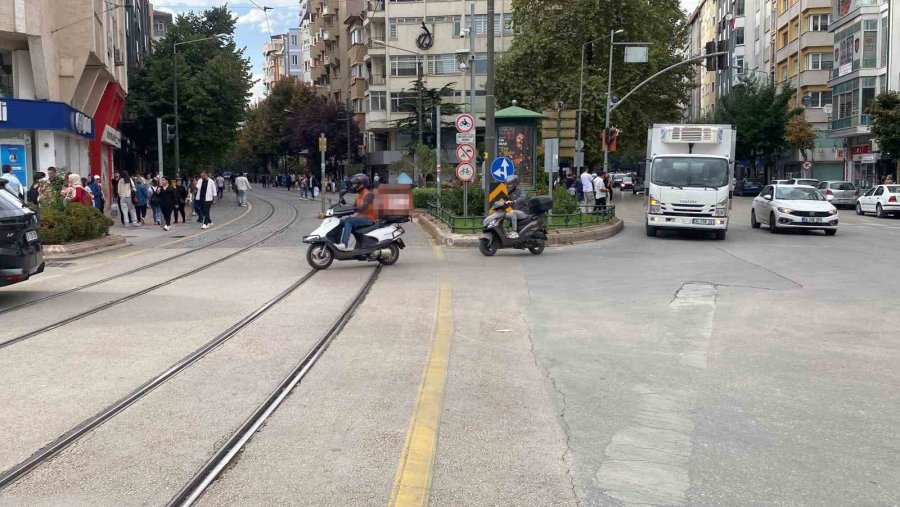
point(133, 295)
point(141, 268)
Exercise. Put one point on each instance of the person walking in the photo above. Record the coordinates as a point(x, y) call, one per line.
point(599, 194)
point(97, 190)
point(182, 193)
point(243, 186)
point(140, 190)
point(168, 198)
point(220, 186)
point(206, 192)
point(609, 188)
point(587, 189)
point(889, 179)
point(13, 184)
point(127, 199)
point(153, 198)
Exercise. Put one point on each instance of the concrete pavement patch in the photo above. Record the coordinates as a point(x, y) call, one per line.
point(83, 248)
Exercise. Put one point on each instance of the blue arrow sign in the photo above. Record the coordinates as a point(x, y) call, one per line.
point(502, 168)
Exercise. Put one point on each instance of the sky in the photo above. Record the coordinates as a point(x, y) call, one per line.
point(254, 26)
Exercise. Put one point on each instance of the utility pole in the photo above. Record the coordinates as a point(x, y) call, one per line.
point(323, 147)
point(437, 150)
point(159, 147)
point(490, 141)
point(612, 36)
point(348, 139)
point(177, 132)
point(472, 60)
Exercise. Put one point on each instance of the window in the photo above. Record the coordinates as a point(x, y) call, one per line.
point(819, 99)
point(884, 40)
point(442, 64)
point(293, 40)
point(739, 64)
point(401, 101)
point(869, 57)
point(356, 36)
point(294, 60)
point(819, 22)
point(879, 191)
point(377, 101)
point(503, 24)
point(783, 71)
point(6, 74)
point(393, 22)
point(160, 26)
point(404, 65)
point(784, 38)
point(820, 61)
point(739, 36)
point(739, 8)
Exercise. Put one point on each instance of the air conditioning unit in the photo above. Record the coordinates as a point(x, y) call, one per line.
point(118, 57)
point(875, 145)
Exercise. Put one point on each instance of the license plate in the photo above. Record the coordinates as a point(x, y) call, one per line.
point(811, 220)
point(704, 221)
point(31, 236)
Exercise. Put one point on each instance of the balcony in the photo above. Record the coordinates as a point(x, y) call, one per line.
point(377, 80)
point(327, 11)
point(327, 60)
point(853, 121)
point(357, 88)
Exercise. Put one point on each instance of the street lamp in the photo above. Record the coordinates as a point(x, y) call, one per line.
point(175, 86)
point(579, 144)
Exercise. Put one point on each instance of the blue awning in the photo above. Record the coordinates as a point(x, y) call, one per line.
point(18, 114)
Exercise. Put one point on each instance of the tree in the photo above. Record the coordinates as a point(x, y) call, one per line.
point(800, 135)
point(885, 111)
point(544, 61)
point(317, 117)
point(431, 98)
point(213, 88)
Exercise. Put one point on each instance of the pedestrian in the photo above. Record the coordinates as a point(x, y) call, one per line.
point(220, 186)
point(127, 199)
point(304, 186)
point(377, 180)
point(233, 178)
point(587, 190)
point(13, 185)
point(889, 179)
point(206, 192)
point(243, 186)
point(34, 192)
point(97, 191)
point(182, 193)
point(599, 193)
point(195, 203)
point(167, 197)
point(140, 189)
point(608, 183)
point(314, 187)
point(153, 198)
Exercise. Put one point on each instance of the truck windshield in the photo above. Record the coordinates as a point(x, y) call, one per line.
point(690, 172)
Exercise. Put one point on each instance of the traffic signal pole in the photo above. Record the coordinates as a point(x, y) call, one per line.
point(159, 147)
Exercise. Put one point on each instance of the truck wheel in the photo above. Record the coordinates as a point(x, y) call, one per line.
point(720, 235)
point(651, 231)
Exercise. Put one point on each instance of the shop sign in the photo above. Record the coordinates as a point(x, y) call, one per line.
point(112, 137)
point(868, 158)
point(82, 124)
point(859, 150)
point(845, 69)
point(22, 114)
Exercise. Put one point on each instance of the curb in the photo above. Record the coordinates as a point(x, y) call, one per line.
point(84, 248)
point(441, 234)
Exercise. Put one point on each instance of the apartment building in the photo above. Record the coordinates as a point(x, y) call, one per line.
point(161, 22)
point(430, 33)
point(293, 54)
point(707, 21)
point(63, 80)
point(274, 52)
point(330, 66)
point(305, 43)
point(865, 54)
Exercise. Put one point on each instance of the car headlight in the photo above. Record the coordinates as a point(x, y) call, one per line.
point(786, 211)
point(833, 211)
point(721, 208)
point(655, 207)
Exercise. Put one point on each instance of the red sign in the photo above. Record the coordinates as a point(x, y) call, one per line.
point(859, 150)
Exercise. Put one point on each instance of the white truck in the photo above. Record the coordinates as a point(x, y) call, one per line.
point(689, 177)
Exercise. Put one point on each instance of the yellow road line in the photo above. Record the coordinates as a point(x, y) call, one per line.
point(412, 484)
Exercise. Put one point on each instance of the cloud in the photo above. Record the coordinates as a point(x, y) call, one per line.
point(258, 90)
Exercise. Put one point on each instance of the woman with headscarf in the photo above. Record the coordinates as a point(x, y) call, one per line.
point(182, 192)
point(74, 192)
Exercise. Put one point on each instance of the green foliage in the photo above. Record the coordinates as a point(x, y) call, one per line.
point(452, 200)
point(75, 222)
point(800, 135)
point(543, 65)
point(431, 98)
point(563, 203)
point(885, 110)
point(423, 197)
point(214, 84)
point(425, 162)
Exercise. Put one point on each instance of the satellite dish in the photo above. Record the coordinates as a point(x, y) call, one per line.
point(828, 109)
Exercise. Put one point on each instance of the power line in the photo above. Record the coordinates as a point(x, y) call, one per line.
point(114, 7)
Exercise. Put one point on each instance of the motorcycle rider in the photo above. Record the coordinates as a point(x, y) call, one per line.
point(364, 212)
point(514, 193)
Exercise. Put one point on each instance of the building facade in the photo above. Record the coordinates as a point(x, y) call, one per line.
point(274, 52)
point(160, 23)
point(305, 43)
point(63, 80)
point(293, 54)
point(865, 61)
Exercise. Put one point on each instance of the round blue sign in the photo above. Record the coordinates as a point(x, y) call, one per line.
point(502, 168)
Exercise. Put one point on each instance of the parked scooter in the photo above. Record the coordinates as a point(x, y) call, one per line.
point(532, 230)
point(380, 242)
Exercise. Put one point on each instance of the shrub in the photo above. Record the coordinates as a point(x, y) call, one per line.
point(563, 203)
point(75, 223)
point(452, 200)
point(422, 197)
point(55, 228)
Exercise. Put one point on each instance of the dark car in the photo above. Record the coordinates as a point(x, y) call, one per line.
point(20, 250)
point(747, 187)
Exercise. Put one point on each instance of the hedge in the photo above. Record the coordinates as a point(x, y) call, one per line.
point(75, 222)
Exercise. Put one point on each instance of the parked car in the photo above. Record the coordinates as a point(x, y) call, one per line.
point(883, 200)
point(839, 193)
point(793, 207)
point(779, 182)
point(20, 250)
point(803, 181)
point(617, 179)
point(627, 183)
point(747, 187)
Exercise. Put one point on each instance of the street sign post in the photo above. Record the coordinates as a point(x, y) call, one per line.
point(323, 147)
point(465, 138)
point(465, 153)
point(502, 168)
point(465, 123)
point(465, 172)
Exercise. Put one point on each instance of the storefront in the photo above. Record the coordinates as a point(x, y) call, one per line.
point(38, 134)
point(107, 138)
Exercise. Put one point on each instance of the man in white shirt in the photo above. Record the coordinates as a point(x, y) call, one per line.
point(599, 192)
point(220, 186)
point(242, 184)
point(13, 185)
point(206, 192)
point(587, 187)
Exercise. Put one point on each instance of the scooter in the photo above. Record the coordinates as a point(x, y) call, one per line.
point(532, 229)
point(380, 242)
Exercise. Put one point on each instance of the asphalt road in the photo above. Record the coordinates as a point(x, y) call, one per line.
point(678, 370)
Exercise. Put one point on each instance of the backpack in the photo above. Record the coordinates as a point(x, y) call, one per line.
point(82, 197)
point(154, 196)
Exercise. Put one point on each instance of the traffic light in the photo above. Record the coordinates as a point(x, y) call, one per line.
point(710, 60)
point(722, 60)
point(589, 53)
point(170, 133)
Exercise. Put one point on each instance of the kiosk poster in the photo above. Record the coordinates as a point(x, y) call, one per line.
point(14, 155)
point(516, 142)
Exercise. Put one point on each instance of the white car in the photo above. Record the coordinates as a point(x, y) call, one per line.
point(793, 207)
point(883, 200)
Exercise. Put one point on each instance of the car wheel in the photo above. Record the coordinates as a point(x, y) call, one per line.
point(720, 235)
point(879, 211)
point(753, 222)
point(651, 231)
point(830, 232)
point(773, 228)
point(859, 210)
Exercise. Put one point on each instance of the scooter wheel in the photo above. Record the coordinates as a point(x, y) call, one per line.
point(537, 250)
point(395, 255)
point(319, 256)
point(488, 247)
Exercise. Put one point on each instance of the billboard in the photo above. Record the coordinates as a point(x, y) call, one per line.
point(516, 142)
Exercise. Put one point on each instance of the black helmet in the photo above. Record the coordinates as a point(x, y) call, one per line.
point(512, 183)
point(359, 180)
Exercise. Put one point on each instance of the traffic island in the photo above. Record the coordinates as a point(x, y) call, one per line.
point(445, 237)
point(77, 250)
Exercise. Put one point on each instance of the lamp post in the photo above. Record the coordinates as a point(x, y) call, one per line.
point(175, 89)
point(579, 144)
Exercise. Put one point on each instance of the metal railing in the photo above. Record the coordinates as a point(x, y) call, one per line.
point(473, 224)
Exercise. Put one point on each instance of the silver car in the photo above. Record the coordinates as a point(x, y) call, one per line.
point(839, 193)
point(802, 181)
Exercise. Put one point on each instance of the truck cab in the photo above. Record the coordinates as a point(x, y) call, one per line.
point(689, 177)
